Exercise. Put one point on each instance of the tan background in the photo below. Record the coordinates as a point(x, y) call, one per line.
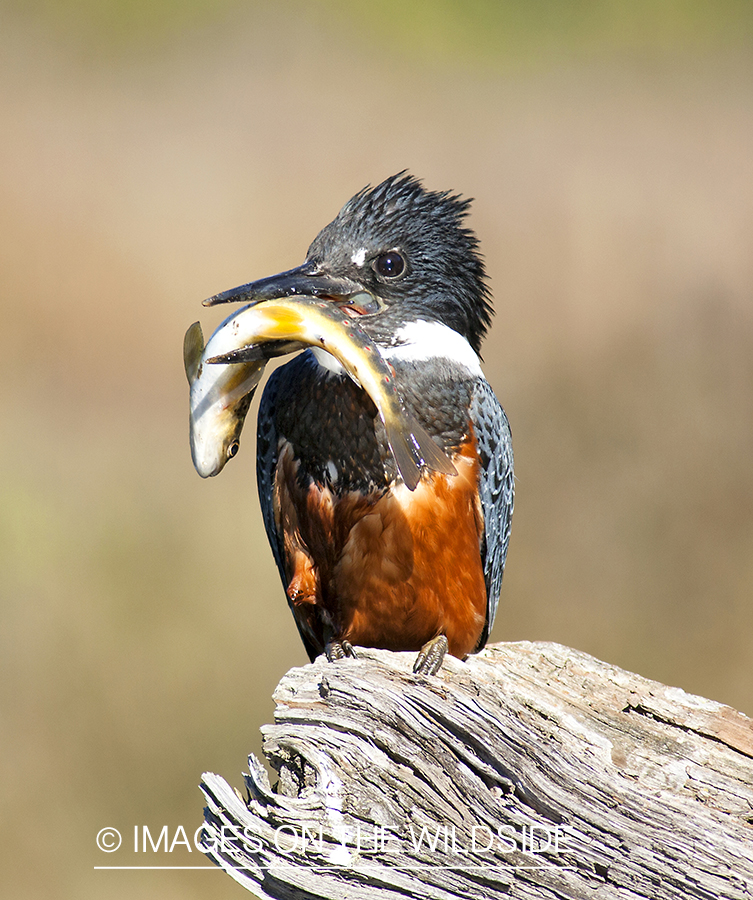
point(153, 154)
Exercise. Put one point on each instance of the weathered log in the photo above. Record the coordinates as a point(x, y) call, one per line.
point(528, 771)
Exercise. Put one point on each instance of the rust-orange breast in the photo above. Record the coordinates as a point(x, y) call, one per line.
point(392, 570)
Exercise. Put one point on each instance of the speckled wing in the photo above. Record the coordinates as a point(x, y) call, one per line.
point(266, 464)
point(496, 490)
point(267, 440)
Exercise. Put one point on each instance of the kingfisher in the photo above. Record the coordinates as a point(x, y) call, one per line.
point(364, 559)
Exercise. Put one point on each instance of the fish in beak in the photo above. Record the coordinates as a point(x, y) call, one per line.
point(220, 396)
point(219, 402)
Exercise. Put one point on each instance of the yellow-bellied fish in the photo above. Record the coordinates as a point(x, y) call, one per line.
point(220, 395)
point(219, 406)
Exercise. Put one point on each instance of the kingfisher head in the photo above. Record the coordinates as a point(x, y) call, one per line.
point(394, 254)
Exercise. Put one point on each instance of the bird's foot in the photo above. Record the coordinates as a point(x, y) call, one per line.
point(431, 656)
point(339, 650)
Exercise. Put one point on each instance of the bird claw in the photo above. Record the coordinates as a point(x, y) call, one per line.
point(431, 656)
point(339, 650)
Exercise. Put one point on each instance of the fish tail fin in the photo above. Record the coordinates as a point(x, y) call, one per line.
point(415, 448)
point(193, 347)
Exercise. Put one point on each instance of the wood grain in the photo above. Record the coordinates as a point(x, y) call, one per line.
point(529, 771)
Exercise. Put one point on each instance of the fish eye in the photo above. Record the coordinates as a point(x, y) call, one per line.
point(390, 265)
point(233, 449)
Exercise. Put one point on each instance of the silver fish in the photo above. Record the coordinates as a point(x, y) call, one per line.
point(219, 406)
point(221, 395)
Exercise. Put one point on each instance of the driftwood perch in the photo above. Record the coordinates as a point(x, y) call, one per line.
point(531, 770)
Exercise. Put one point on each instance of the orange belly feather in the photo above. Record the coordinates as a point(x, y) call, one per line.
point(392, 571)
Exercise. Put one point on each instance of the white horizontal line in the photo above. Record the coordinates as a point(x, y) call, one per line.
point(361, 865)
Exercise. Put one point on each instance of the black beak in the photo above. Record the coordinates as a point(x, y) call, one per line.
point(304, 281)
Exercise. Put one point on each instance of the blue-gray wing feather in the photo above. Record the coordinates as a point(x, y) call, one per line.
point(267, 452)
point(266, 467)
point(496, 491)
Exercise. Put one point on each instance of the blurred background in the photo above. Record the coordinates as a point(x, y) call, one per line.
point(155, 153)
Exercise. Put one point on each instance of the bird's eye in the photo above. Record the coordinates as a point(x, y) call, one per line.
point(233, 449)
point(389, 265)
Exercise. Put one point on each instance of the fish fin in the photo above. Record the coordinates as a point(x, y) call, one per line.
point(193, 347)
point(429, 453)
point(415, 448)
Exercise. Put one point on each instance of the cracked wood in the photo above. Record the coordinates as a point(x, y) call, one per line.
point(528, 771)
